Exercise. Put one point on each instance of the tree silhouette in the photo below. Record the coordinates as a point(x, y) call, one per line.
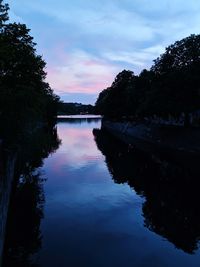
point(176, 87)
point(163, 183)
point(115, 101)
point(25, 97)
point(171, 87)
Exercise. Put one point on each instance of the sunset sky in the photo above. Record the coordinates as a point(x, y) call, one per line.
point(87, 42)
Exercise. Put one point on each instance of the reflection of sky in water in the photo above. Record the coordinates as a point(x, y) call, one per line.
point(77, 149)
point(81, 168)
point(90, 220)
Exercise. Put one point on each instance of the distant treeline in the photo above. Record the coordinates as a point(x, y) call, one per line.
point(74, 109)
point(171, 88)
point(26, 100)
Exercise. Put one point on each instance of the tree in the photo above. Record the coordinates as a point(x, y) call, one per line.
point(182, 55)
point(25, 97)
point(171, 87)
point(176, 83)
point(143, 87)
point(3, 13)
point(116, 101)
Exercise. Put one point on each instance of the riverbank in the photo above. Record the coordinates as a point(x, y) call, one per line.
point(175, 143)
point(7, 170)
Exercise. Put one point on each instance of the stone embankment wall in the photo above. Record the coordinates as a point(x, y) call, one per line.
point(154, 135)
point(7, 168)
point(174, 145)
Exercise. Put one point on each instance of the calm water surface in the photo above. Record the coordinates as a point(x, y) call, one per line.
point(98, 212)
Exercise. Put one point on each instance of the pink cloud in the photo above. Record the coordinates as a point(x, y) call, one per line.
point(80, 72)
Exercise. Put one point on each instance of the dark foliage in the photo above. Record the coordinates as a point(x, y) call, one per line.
point(74, 109)
point(117, 100)
point(163, 183)
point(23, 236)
point(171, 87)
point(25, 97)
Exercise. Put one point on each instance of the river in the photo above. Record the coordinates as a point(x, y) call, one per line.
point(95, 203)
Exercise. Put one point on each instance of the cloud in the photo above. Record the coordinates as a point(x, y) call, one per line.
point(86, 43)
point(98, 19)
point(139, 59)
point(81, 73)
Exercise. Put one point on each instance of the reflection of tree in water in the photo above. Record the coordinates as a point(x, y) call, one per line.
point(172, 196)
point(24, 238)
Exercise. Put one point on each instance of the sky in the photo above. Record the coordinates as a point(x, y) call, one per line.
point(86, 43)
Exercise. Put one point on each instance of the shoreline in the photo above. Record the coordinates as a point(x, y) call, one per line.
point(180, 145)
point(6, 184)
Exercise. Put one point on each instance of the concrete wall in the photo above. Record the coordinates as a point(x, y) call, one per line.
point(170, 137)
point(6, 178)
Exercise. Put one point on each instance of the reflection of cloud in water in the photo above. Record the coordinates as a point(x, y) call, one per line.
point(77, 150)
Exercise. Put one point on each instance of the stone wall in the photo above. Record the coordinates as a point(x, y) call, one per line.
point(7, 168)
point(170, 137)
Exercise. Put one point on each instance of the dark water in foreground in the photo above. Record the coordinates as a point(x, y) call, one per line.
point(98, 203)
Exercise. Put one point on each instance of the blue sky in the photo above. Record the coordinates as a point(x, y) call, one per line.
point(87, 42)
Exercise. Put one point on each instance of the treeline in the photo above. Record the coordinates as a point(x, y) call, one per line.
point(171, 88)
point(74, 109)
point(25, 98)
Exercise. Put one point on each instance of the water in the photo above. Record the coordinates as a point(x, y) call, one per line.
point(95, 203)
